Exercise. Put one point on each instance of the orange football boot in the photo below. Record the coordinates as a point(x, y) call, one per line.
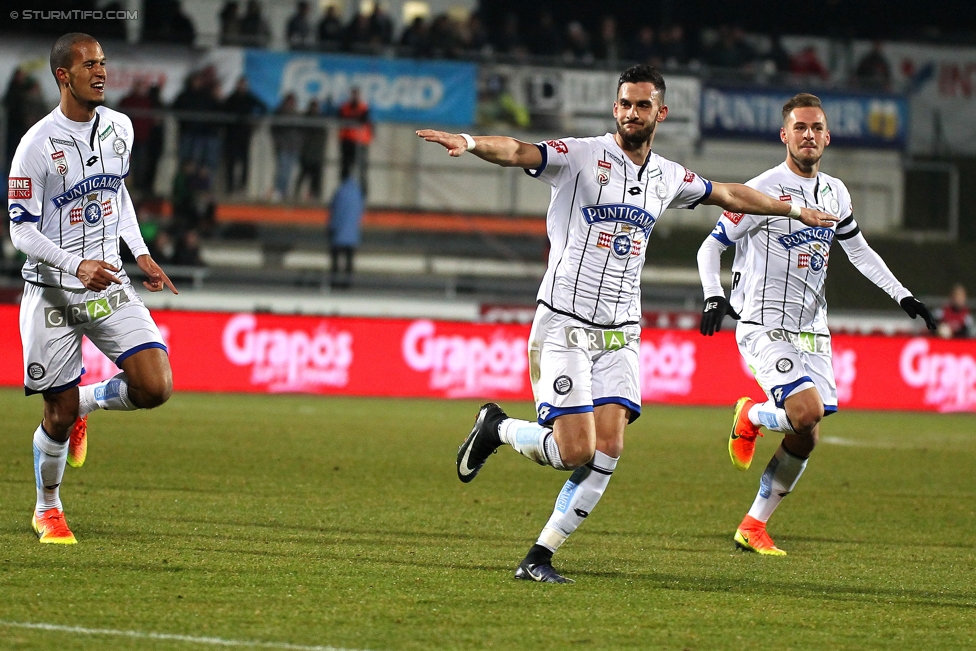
point(742, 440)
point(51, 527)
point(78, 443)
point(751, 536)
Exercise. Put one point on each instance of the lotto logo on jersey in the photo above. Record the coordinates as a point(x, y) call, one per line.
point(19, 188)
point(734, 217)
point(558, 145)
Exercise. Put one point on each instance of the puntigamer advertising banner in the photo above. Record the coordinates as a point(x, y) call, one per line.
point(854, 120)
point(264, 353)
point(396, 90)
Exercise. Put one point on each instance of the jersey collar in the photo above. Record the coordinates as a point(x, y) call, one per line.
point(81, 128)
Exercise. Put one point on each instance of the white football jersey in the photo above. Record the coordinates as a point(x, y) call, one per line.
point(780, 263)
point(601, 214)
point(67, 177)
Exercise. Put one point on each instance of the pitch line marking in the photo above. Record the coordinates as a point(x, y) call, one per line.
point(171, 637)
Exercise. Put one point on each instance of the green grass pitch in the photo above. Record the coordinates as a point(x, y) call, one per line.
point(340, 522)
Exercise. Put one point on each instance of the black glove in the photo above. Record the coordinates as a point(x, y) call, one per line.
point(915, 307)
point(716, 307)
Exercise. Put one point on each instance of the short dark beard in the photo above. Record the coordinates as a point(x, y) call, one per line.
point(803, 166)
point(89, 104)
point(636, 140)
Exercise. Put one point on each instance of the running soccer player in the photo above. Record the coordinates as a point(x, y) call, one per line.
point(68, 206)
point(607, 194)
point(778, 296)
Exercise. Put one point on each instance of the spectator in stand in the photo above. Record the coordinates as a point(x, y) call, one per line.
point(357, 35)
point(806, 63)
point(164, 22)
point(355, 135)
point(955, 320)
point(13, 104)
point(34, 106)
point(183, 196)
point(162, 247)
point(299, 32)
point(230, 24)
point(607, 47)
point(194, 98)
point(577, 49)
point(546, 38)
point(443, 38)
point(380, 26)
point(644, 49)
point(254, 28)
point(245, 105)
point(157, 139)
point(330, 30)
point(311, 158)
point(674, 48)
point(345, 219)
point(415, 39)
point(731, 51)
point(778, 59)
point(474, 37)
point(510, 40)
point(140, 99)
point(187, 250)
point(874, 71)
point(288, 144)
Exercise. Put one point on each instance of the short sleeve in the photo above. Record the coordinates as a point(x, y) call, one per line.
point(692, 188)
point(560, 160)
point(25, 184)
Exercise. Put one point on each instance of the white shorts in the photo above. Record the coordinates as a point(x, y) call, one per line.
point(52, 322)
point(575, 367)
point(786, 362)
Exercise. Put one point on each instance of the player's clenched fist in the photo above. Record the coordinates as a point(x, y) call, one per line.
point(96, 275)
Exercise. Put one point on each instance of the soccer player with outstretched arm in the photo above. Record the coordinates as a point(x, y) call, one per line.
point(68, 206)
point(607, 194)
point(778, 297)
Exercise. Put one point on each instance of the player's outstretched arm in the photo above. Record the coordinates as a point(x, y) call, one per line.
point(500, 150)
point(157, 277)
point(736, 197)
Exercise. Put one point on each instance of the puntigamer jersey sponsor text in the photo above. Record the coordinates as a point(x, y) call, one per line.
point(781, 264)
point(601, 214)
point(67, 177)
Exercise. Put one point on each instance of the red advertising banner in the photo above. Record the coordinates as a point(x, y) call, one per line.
point(263, 353)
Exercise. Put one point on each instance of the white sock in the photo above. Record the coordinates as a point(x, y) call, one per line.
point(49, 459)
point(771, 416)
point(532, 440)
point(577, 499)
point(110, 394)
point(777, 482)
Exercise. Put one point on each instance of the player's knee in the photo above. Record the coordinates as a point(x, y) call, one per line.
point(59, 418)
point(577, 453)
point(805, 417)
point(151, 392)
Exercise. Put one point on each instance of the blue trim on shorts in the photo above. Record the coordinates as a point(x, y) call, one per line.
point(829, 409)
point(635, 409)
point(786, 390)
point(556, 412)
point(132, 351)
point(61, 389)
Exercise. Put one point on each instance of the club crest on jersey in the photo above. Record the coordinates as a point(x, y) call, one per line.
point(109, 182)
point(807, 236)
point(603, 169)
point(621, 245)
point(624, 213)
point(119, 146)
point(92, 213)
point(60, 162)
point(814, 261)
